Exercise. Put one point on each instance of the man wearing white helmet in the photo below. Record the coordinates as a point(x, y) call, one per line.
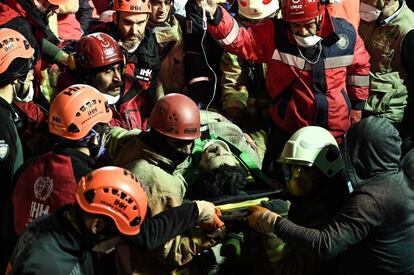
point(372, 232)
point(317, 189)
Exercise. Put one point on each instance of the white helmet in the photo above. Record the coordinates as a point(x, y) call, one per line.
point(257, 9)
point(313, 145)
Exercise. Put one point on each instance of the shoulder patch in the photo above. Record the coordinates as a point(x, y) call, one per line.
point(4, 150)
point(343, 41)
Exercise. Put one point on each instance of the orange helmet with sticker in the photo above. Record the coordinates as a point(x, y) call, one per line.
point(76, 110)
point(134, 6)
point(115, 193)
point(13, 45)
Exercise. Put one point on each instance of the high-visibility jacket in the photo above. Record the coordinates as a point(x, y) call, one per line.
point(303, 93)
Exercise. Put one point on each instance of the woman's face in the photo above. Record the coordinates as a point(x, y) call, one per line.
point(216, 153)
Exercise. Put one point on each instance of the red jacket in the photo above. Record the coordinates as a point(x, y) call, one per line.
point(303, 94)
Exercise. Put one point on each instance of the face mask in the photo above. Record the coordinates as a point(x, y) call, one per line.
point(368, 13)
point(111, 99)
point(106, 246)
point(29, 95)
point(307, 41)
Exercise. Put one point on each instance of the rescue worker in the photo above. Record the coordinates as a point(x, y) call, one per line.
point(110, 203)
point(30, 18)
point(16, 76)
point(374, 228)
point(168, 30)
point(129, 28)
point(387, 28)
point(159, 157)
point(318, 68)
point(244, 99)
point(317, 188)
point(44, 183)
point(100, 63)
point(78, 117)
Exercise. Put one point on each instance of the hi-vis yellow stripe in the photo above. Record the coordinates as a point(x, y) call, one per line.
point(242, 204)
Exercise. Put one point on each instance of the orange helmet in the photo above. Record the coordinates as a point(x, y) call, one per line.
point(57, 2)
point(116, 193)
point(76, 110)
point(97, 50)
point(176, 116)
point(135, 6)
point(13, 45)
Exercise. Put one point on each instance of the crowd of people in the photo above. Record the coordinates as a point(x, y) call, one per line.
point(226, 137)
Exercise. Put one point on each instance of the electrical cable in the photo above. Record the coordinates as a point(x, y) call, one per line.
point(205, 54)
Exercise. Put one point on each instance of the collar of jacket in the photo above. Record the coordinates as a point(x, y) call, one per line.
point(14, 115)
point(69, 239)
point(150, 155)
point(72, 152)
point(389, 19)
point(6, 105)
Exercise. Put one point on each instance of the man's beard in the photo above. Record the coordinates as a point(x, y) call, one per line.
point(132, 44)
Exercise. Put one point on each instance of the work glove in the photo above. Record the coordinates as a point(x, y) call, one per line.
point(208, 216)
point(262, 219)
point(356, 116)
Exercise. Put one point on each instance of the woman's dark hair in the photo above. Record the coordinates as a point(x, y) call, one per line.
point(217, 183)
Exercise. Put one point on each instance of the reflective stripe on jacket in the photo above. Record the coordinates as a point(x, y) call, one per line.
point(339, 79)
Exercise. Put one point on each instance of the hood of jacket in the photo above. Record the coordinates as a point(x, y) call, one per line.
point(373, 147)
